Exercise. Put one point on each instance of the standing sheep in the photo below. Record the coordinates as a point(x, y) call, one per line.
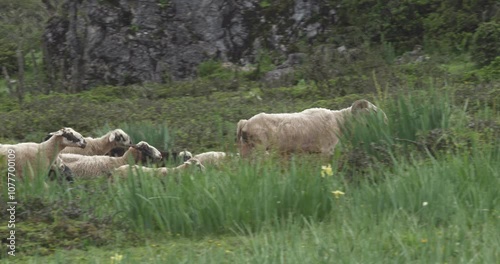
point(314, 130)
point(102, 145)
point(37, 157)
point(93, 166)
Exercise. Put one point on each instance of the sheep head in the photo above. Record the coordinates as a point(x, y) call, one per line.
point(363, 106)
point(120, 138)
point(146, 151)
point(185, 155)
point(195, 162)
point(70, 138)
point(59, 170)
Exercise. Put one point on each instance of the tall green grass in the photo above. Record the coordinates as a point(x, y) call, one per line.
point(242, 196)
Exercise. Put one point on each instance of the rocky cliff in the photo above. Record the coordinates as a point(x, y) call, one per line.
point(122, 42)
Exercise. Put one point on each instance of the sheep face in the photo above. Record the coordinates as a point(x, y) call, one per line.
point(195, 162)
point(120, 138)
point(71, 138)
point(58, 168)
point(185, 155)
point(148, 150)
point(363, 106)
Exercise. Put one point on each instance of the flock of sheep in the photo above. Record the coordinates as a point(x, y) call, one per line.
point(67, 153)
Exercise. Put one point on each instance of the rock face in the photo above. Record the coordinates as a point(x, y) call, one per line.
point(122, 42)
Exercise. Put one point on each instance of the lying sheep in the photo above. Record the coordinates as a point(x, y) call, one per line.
point(40, 156)
point(210, 158)
point(93, 166)
point(125, 170)
point(314, 130)
point(99, 146)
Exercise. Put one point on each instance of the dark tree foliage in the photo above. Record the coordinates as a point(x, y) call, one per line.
point(446, 25)
point(486, 46)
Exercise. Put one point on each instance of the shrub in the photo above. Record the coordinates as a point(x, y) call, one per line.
point(485, 44)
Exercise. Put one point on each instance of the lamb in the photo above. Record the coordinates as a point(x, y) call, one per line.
point(99, 146)
point(41, 156)
point(93, 166)
point(123, 171)
point(314, 130)
point(210, 158)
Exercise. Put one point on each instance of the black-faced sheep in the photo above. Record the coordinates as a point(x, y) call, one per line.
point(185, 155)
point(93, 166)
point(59, 171)
point(35, 157)
point(314, 130)
point(100, 146)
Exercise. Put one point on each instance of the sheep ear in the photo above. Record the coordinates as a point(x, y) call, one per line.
point(112, 137)
point(57, 133)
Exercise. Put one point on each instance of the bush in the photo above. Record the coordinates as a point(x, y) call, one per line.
point(8, 57)
point(485, 44)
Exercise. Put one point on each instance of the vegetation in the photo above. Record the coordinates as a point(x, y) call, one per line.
point(422, 188)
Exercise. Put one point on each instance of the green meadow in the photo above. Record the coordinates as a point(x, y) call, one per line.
point(422, 188)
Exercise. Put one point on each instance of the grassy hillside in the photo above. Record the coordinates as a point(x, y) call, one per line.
point(422, 188)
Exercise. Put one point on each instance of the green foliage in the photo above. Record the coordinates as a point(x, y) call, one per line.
point(487, 73)
point(163, 3)
point(208, 68)
point(264, 3)
point(8, 56)
point(486, 39)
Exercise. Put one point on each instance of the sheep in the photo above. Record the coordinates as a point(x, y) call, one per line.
point(93, 166)
point(185, 155)
point(314, 130)
point(60, 169)
point(41, 156)
point(210, 158)
point(165, 156)
point(123, 171)
point(99, 146)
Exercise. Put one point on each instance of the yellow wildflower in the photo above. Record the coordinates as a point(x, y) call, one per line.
point(326, 171)
point(337, 193)
point(117, 258)
point(424, 240)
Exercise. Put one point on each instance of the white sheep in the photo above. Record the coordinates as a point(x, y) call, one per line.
point(185, 155)
point(210, 158)
point(93, 166)
point(36, 157)
point(125, 170)
point(314, 130)
point(99, 146)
